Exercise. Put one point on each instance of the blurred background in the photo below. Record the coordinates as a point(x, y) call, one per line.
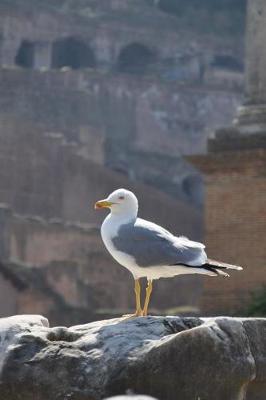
point(164, 97)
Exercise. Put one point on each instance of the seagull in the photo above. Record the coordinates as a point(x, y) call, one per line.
point(148, 250)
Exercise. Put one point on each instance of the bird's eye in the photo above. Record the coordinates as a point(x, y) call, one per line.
point(121, 197)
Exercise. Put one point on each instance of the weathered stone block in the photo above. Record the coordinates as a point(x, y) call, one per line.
point(166, 357)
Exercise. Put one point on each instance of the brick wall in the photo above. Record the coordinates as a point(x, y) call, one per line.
point(235, 221)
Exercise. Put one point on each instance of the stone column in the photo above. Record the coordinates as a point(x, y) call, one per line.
point(5, 218)
point(42, 55)
point(251, 117)
point(9, 49)
point(256, 52)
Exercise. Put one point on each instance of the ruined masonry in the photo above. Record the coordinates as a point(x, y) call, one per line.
point(92, 97)
point(236, 185)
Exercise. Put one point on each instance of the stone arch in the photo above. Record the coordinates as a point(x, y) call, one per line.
point(170, 7)
point(227, 62)
point(25, 54)
point(73, 53)
point(135, 58)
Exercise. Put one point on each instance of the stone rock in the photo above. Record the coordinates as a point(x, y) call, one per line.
point(170, 358)
point(131, 398)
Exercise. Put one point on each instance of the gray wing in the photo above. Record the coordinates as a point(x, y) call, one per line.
point(151, 245)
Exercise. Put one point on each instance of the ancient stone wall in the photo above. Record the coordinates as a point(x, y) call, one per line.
point(70, 261)
point(47, 176)
point(59, 186)
point(119, 121)
point(77, 106)
point(236, 186)
point(9, 297)
point(39, 36)
point(140, 89)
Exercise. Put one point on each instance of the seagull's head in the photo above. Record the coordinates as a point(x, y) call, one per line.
point(120, 202)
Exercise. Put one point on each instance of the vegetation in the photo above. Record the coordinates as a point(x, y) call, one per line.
point(257, 306)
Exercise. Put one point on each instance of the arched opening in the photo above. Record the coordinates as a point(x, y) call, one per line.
point(171, 7)
point(71, 52)
point(135, 58)
point(119, 166)
point(25, 55)
point(227, 62)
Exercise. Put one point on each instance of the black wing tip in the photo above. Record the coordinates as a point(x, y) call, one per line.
point(218, 269)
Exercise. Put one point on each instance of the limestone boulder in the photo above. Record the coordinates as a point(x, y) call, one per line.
point(133, 397)
point(169, 358)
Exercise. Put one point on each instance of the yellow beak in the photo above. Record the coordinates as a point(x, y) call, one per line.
point(102, 204)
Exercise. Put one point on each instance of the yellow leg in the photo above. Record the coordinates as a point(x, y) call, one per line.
point(148, 296)
point(138, 312)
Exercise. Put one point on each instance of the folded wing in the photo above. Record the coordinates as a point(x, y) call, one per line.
point(151, 245)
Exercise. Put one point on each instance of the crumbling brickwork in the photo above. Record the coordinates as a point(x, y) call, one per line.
point(235, 224)
point(235, 209)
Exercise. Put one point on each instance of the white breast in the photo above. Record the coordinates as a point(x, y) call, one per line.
point(109, 230)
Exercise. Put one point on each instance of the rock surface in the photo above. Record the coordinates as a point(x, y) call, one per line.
point(131, 398)
point(166, 357)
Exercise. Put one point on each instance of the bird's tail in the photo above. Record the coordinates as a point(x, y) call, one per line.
point(220, 268)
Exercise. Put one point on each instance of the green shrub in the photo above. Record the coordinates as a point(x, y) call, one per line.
point(257, 306)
